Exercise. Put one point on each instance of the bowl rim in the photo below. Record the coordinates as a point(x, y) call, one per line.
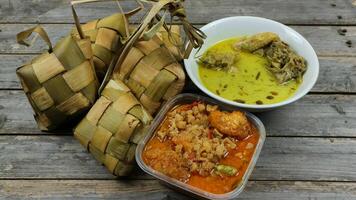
point(289, 100)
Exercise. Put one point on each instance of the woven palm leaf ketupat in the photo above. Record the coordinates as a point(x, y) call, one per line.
point(113, 127)
point(107, 36)
point(146, 65)
point(60, 84)
point(118, 121)
point(172, 40)
point(152, 73)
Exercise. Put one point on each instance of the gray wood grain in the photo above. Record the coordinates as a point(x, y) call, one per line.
point(62, 157)
point(313, 115)
point(199, 11)
point(150, 189)
point(83, 189)
point(299, 190)
point(318, 168)
point(8, 66)
point(326, 40)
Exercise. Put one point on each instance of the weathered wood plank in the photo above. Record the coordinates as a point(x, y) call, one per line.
point(317, 35)
point(282, 159)
point(337, 74)
point(298, 190)
point(314, 115)
point(151, 189)
point(62, 157)
point(8, 33)
point(82, 189)
point(8, 66)
point(199, 11)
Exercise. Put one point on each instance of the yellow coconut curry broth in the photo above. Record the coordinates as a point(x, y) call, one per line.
point(248, 81)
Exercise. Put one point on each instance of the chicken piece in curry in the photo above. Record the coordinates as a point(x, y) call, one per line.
point(230, 123)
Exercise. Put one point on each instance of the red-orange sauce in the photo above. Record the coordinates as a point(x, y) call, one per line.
point(213, 183)
point(220, 185)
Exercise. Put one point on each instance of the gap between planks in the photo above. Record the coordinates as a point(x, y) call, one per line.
point(70, 134)
point(153, 179)
point(339, 109)
point(302, 12)
point(267, 190)
point(281, 159)
point(174, 23)
point(319, 56)
point(310, 93)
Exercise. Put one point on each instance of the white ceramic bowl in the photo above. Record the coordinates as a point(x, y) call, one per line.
point(244, 25)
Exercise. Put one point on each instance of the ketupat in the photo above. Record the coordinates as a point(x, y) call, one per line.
point(60, 84)
point(148, 67)
point(107, 36)
point(152, 73)
point(118, 121)
point(113, 127)
point(172, 40)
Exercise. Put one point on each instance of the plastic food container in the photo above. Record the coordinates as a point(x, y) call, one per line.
point(183, 187)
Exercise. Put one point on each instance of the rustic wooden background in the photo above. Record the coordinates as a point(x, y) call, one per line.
point(310, 151)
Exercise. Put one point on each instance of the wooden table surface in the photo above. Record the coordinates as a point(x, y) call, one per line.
point(310, 151)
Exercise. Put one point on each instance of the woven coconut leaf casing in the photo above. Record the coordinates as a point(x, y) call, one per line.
point(106, 35)
point(172, 40)
point(152, 73)
point(113, 127)
point(60, 85)
point(146, 65)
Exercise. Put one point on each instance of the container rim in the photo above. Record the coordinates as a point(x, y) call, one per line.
point(185, 98)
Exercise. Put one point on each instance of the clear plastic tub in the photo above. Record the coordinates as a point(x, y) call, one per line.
point(183, 187)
